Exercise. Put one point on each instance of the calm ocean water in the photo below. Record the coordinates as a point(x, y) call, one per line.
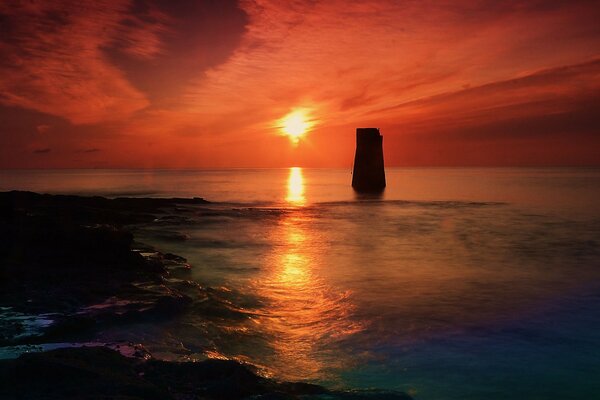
point(454, 284)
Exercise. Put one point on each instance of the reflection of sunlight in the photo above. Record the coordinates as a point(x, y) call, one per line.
point(304, 316)
point(295, 187)
point(295, 237)
point(292, 268)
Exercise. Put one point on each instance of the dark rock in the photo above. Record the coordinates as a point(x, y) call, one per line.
point(69, 328)
point(86, 373)
point(96, 209)
point(98, 372)
point(63, 254)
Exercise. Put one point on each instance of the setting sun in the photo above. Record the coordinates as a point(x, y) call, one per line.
point(376, 198)
point(295, 125)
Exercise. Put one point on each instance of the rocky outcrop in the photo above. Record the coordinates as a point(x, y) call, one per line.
point(71, 258)
point(101, 373)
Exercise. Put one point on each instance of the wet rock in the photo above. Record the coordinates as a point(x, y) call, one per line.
point(65, 254)
point(84, 373)
point(71, 328)
point(98, 372)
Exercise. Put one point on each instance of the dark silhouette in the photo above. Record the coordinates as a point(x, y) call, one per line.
point(369, 173)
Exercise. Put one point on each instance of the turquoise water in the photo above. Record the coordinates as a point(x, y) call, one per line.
point(454, 284)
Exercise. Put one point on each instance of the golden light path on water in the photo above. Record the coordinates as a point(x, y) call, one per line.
point(305, 317)
point(295, 187)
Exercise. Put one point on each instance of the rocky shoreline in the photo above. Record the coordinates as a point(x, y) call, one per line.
point(69, 267)
point(72, 260)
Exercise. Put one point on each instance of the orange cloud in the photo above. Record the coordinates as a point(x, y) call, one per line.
point(54, 61)
point(151, 86)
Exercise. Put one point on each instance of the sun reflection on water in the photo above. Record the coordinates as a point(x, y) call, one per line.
point(305, 317)
point(295, 187)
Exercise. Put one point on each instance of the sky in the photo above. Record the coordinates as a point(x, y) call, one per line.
point(201, 84)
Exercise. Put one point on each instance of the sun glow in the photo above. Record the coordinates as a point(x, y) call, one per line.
point(296, 124)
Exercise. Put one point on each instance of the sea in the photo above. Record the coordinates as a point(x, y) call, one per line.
point(454, 283)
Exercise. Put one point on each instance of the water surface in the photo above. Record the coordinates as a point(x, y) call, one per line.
point(454, 284)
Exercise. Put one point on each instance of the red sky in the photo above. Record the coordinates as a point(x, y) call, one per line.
point(157, 83)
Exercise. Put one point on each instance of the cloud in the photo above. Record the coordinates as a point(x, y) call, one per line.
point(348, 60)
point(187, 83)
point(570, 91)
point(194, 36)
point(52, 59)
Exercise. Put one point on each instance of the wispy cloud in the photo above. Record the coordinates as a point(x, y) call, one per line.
point(159, 83)
point(53, 60)
point(348, 60)
point(541, 94)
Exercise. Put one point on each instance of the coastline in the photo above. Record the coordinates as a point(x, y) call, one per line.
point(71, 267)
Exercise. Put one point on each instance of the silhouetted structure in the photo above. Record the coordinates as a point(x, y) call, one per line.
point(369, 173)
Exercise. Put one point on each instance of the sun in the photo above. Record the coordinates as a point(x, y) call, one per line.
point(296, 124)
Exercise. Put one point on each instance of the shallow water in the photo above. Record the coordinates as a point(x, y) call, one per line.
point(454, 284)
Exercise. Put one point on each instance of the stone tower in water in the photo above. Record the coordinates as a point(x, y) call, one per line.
point(368, 174)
